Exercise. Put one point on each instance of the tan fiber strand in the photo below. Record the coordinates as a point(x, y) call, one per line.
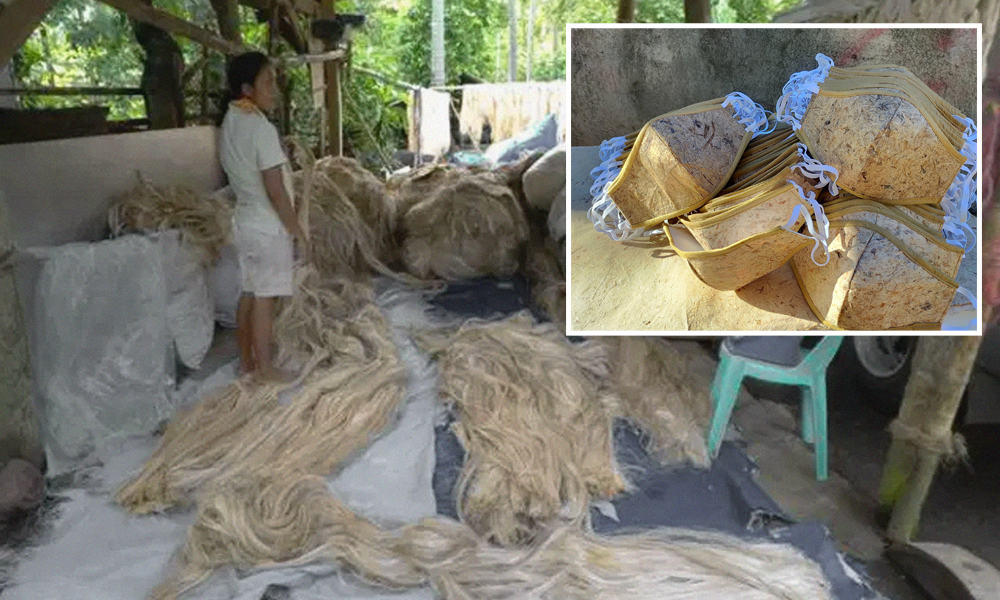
point(471, 227)
point(649, 379)
point(352, 387)
point(261, 521)
point(203, 220)
point(536, 430)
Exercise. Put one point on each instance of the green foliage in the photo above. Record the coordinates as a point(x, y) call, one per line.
point(87, 43)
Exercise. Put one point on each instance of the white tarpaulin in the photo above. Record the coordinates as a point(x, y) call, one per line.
point(102, 358)
point(96, 550)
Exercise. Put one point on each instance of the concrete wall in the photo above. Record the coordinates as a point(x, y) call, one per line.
point(621, 78)
point(60, 191)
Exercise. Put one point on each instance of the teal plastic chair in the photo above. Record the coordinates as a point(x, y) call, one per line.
point(809, 374)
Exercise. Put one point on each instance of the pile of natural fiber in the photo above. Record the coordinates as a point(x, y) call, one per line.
point(536, 434)
point(203, 219)
point(294, 520)
point(413, 187)
point(471, 227)
point(342, 242)
point(368, 194)
point(352, 386)
point(548, 283)
point(649, 379)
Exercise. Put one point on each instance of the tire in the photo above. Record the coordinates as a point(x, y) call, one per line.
point(877, 367)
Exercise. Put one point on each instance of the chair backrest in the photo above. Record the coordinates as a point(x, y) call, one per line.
point(824, 351)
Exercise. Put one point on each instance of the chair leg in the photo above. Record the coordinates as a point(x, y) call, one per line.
point(807, 413)
point(725, 390)
point(819, 425)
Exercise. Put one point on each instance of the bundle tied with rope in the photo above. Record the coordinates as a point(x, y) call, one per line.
point(674, 164)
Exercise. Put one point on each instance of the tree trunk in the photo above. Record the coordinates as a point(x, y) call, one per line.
point(512, 52)
point(437, 42)
point(227, 13)
point(161, 76)
point(626, 11)
point(697, 11)
point(922, 431)
point(531, 40)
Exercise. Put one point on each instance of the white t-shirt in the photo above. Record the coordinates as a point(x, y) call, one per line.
point(248, 145)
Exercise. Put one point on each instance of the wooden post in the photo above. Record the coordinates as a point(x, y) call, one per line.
point(512, 42)
point(626, 11)
point(332, 94)
point(161, 76)
point(227, 13)
point(697, 11)
point(922, 431)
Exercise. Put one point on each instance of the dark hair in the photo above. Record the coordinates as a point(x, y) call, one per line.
point(242, 69)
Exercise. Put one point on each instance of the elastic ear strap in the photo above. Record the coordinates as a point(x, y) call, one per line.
point(961, 194)
point(968, 296)
point(810, 167)
point(750, 114)
point(820, 232)
point(798, 91)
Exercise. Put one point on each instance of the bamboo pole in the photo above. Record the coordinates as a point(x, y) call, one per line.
point(922, 433)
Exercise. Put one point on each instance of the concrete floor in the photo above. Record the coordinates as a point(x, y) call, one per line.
point(961, 508)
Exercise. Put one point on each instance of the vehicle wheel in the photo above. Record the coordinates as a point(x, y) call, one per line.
point(878, 367)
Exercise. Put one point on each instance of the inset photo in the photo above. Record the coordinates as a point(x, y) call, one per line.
point(773, 179)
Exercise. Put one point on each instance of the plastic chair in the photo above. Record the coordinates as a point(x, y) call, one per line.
point(809, 374)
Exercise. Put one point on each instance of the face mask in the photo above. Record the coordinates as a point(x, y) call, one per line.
point(890, 267)
point(673, 165)
point(891, 138)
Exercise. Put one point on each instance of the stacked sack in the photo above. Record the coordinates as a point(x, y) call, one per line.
point(862, 180)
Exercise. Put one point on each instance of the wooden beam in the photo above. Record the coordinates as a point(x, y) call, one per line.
point(289, 27)
point(227, 13)
point(301, 59)
point(306, 7)
point(18, 18)
point(169, 23)
point(71, 91)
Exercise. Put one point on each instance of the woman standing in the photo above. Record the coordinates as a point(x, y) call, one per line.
point(264, 222)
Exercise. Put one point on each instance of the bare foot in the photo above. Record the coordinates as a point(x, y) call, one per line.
point(275, 375)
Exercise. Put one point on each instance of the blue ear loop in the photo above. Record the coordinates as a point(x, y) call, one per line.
point(798, 92)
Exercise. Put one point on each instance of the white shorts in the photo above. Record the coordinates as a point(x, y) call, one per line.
point(266, 262)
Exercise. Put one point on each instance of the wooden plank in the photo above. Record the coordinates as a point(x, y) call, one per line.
point(18, 18)
point(306, 7)
point(301, 59)
point(71, 91)
point(168, 22)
